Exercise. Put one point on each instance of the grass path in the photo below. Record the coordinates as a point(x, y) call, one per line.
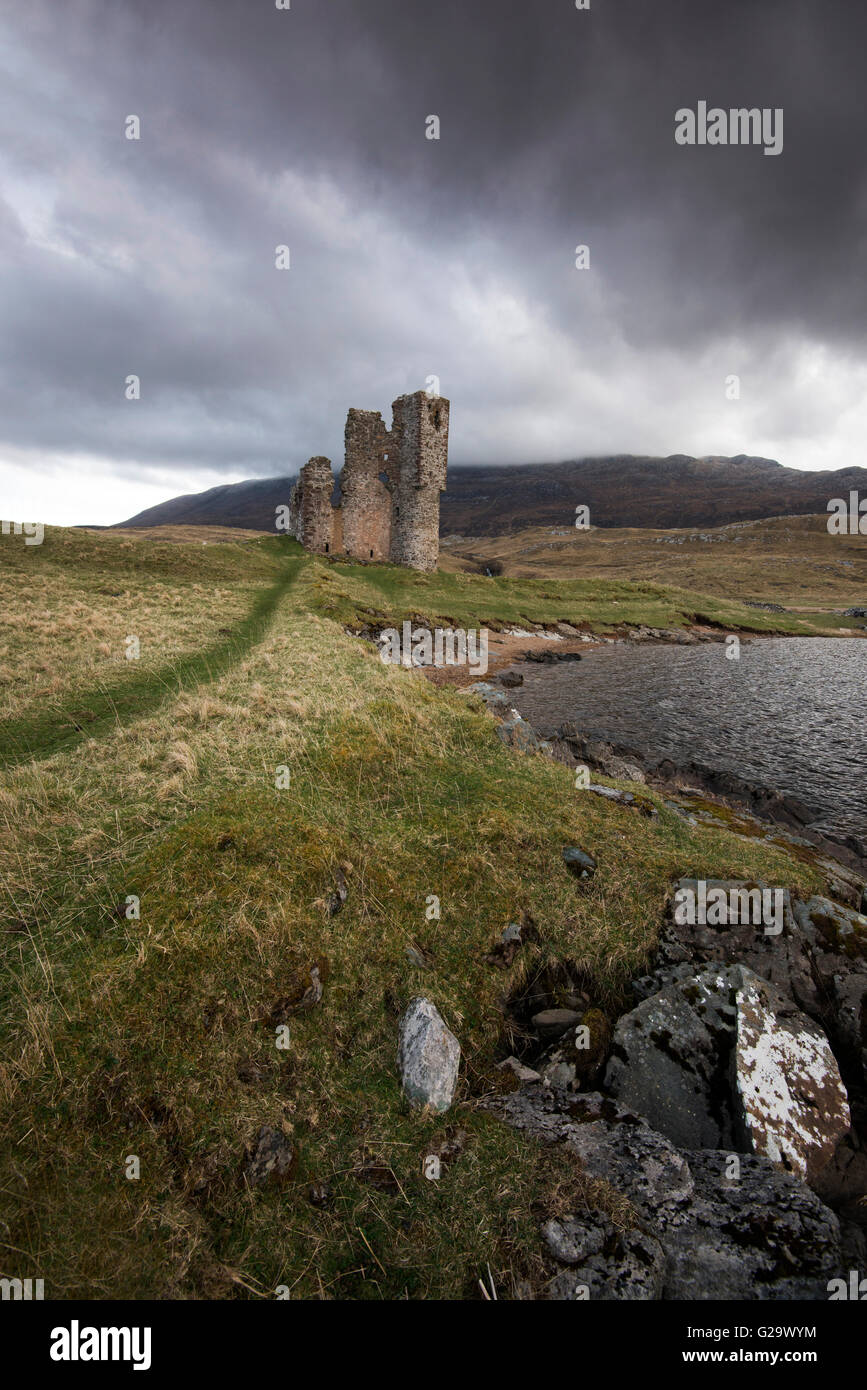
point(53, 727)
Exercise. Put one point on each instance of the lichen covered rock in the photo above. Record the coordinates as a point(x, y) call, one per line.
point(428, 1056)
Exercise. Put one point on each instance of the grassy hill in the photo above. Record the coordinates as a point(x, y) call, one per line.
point(153, 1034)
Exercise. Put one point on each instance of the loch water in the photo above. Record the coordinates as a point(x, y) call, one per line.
point(790, 714)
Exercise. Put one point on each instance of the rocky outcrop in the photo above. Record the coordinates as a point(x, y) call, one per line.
point(515, 731)
point(723, 1058)
point(722, 1122)
point(704, 1227)
point(603, 1260)
point(428, 1057)
point(670, 1058)
point(620, 763)
point(818, 959)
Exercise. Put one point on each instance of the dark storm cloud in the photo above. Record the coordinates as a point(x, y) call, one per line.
point(412, 257)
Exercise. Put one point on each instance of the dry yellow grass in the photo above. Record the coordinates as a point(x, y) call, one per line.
point(788, 560)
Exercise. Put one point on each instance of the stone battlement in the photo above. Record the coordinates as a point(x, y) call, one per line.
point(390, 487)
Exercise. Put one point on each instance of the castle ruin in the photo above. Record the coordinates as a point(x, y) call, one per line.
point(390, 487)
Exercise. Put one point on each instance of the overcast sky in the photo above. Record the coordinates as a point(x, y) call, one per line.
point(413, 257)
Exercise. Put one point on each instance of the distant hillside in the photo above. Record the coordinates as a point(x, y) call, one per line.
point(251, 506)
point(625, 490)
point(637, 491)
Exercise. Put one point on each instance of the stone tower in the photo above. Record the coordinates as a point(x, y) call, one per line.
point(365, 487)
point(390, 487)
point(311, 506)
point(420, 437)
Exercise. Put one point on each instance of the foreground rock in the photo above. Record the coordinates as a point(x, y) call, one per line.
point(722, 1058)
point(667, 1062)
point(272, 1160)
point(428, 1056)
point(818, 958)
point(698, 1232)
point(579, 862)
point(792, 1104)
point(603, 1261)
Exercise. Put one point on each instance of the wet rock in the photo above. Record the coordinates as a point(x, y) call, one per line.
point(510, 679)
point(578, 862)
point(547, 658)
point(428, 1056)
point(272, 1160)
point(517, 733)
point(619, 763)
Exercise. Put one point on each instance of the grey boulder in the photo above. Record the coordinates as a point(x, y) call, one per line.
point(728, 1226)
point(792, 1105)
point(603, 1261)
point(723, 1059)
point(428, 1056)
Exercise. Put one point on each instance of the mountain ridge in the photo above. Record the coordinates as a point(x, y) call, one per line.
point(492, 499)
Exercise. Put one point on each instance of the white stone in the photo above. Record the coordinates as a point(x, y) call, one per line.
point(428, 1056)
point(790, 1098)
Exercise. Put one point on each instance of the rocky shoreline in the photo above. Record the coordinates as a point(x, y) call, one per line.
point(699, 786)
point(728, 1105)
point(724, 1113)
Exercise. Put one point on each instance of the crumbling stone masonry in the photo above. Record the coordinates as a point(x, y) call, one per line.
point(390, 487)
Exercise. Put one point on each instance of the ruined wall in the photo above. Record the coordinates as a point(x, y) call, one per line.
point(365, 498)
point(311, 504)
point(420, 439)
point(390, 487)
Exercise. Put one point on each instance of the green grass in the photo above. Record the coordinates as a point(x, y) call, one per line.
point(359, 594)
point(64, 722)
point(790, 560)
point(154, 1036)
